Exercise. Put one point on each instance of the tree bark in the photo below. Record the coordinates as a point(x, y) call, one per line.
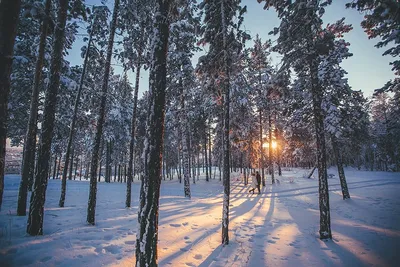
point(339, 162)
point(9, 12)
point(147, 235)
point(73, 122)
point(28, 161)
point(270, 148)
point(132, 143)
point(317, 94)
point(91, 211)
point(206, 156)
point(226, 143)
point(209, 150)
point(36, 211)
point(185, 151)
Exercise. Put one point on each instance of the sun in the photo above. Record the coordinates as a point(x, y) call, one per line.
point(274, 145)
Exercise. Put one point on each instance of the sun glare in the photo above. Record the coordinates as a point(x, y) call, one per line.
point(274, 145)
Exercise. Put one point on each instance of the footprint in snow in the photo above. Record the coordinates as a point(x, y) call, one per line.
point(130, 242)
point(276, 238)
point(186, 238)
point(46, 259)
point(185, 223)
point(198, 257)
point(175, 225)
point(190, 264)
point(184, 249)
point(271, 241)
point(113, 249)
point(108, 237)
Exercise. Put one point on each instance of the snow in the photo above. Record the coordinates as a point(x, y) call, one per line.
point(277, 228)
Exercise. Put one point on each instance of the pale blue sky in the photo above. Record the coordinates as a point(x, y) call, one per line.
point(367, 68)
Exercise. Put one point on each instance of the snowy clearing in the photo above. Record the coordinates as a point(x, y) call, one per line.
point(277, 228)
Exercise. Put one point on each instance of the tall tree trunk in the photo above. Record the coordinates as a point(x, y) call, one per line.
point(59, 166)
point(185, 144)
point(91, 211)
point(132, 142)
point(71, 165)
point(9, 12)
point(226, 143)
point(325, 217)
point(339, 162)
point(261, 167)
point(209, 150)
point(206, 156)
point(36, 211)
point(28, 161)
point(147, 235)
point(55, 167)
point(108, 159)
point(73, 122)
point(270, 148)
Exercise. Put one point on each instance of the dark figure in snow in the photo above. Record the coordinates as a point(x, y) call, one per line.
point(258, 178)
point(255, 183)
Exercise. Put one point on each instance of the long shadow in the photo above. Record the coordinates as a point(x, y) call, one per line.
point(214, 255)
point(166, 260)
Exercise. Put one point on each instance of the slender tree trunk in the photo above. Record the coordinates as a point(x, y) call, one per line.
point(226, 143)
point(339, 162)
point(59, 166)
point(132, 142)
point(100, 122)
point(80, 171)
point(147, 235)
point(209, 150)
point(9, 12)
point(28, 161)
point(36, 211)
point(206, 156)
point(261, 167)
point(325, 218)
point(108, 159)
point(185, 143)
point(73, 122)
point(115, 172)
point(270, 148)
point(71, 165)
point(55, 167)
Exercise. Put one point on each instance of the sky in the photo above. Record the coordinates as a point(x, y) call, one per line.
point(367, 68)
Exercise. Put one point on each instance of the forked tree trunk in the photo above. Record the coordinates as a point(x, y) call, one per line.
point(36, 211)
point(132, 142)
point(147, 235)
point(73, 122)
point(339, 162)
point(28, 161)
point(91, 211)
point(9, 12)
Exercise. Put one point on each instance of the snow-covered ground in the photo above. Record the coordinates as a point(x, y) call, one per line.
point(277, 228)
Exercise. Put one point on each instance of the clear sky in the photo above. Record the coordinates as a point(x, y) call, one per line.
point(367, 68)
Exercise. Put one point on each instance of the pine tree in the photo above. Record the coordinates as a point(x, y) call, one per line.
point(36, 211)
point(74, 117)
point(302, 41)
point(222, 32)
point(9, 11)
point(147, 235)
point(382, 19)
point(30, 139)
point(100, 121)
